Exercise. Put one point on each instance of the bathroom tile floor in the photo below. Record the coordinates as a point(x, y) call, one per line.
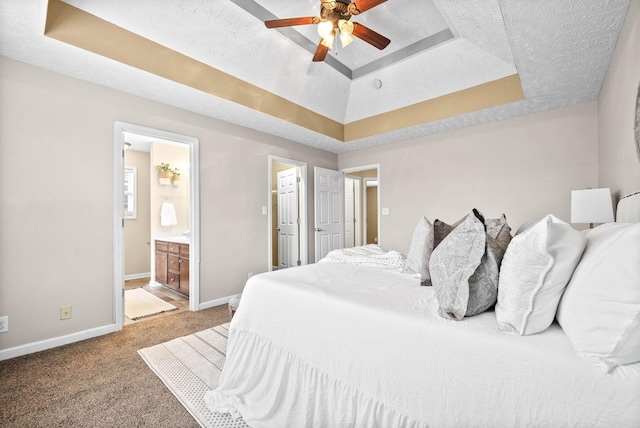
point(168, 295)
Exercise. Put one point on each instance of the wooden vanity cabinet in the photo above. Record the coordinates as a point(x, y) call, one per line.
point(162, 249)
point(172, 265)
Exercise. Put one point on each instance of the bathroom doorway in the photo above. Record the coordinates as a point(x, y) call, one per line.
point(157, 209)
point(366, 203)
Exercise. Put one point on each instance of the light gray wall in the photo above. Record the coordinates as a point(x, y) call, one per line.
point(56, 183)
point(524, 167)
point(56, 175)
point(618, 157)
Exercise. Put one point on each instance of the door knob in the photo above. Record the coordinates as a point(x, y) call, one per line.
point(318, 229)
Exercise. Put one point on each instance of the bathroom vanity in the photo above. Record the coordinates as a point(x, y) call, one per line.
point(172, 263)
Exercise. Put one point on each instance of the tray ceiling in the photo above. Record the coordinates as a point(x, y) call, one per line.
point(450, 64)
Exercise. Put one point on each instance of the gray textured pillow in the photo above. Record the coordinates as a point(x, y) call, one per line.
point(499, 229)
point(442, 229)
point(465, 268)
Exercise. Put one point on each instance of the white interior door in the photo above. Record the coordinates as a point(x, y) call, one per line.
point(288, 218)
point(329, 210)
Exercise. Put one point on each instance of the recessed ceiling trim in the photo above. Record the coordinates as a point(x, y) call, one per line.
point(76, 27)
point(491, 94)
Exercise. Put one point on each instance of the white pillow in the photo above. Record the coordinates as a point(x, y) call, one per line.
point(535, 270)
point(600, 309)
point(420, 250)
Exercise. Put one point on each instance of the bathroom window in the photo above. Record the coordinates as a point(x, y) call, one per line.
point(130, 192)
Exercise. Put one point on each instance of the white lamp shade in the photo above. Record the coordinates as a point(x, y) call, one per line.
point(591, 206)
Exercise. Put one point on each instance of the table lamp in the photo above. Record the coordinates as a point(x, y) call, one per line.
point(591, 206)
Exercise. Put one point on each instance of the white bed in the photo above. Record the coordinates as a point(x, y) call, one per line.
point(340, 345)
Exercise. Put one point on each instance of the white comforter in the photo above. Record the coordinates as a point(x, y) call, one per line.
point(333, 345)
point(368, 255)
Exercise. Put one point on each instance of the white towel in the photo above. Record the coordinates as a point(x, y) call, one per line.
point(168, 215)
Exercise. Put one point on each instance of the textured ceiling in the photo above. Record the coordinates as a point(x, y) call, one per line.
point(559, 49)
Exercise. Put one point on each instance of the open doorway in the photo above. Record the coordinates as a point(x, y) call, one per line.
point(287, 213)
point(371, 212)
point(365, 205)
point(158, 236)
point(352, 211)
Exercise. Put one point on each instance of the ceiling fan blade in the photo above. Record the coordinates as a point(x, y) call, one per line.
point(364, 5)
point(370, 36)
point(321, 52)
point(289, 22)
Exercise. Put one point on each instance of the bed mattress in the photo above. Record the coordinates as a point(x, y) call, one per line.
point(331, 345)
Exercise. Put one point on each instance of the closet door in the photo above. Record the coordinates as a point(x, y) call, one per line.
point(329, 210)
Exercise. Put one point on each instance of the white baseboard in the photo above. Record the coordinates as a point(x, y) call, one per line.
point(216, 302)
point(137, 276)
point(42, 345)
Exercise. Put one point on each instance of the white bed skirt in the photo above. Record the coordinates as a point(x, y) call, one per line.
point(344, 346)
point(319, 400)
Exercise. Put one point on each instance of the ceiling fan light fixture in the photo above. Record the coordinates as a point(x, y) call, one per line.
point(345, 38)
point(346, 28)
point(325, 29)
point(328, 40)
point(335, 16)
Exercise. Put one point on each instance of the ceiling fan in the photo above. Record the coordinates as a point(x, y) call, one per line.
point(336, 15)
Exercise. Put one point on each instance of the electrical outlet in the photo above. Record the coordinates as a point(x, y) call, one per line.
point(4, 324)
point(65, 312)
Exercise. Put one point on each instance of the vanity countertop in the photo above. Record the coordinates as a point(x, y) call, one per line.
point(176, 237)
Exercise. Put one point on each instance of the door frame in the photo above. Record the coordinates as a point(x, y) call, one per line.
point(357, 189)
point(118, 212)
point(304, 239)
point(375, 166)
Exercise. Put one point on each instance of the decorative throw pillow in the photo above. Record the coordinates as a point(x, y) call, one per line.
point(600, 308)
point(420, 251)
point(442, 229)
point(499, 229)
point(464, 269)
point(536, 268)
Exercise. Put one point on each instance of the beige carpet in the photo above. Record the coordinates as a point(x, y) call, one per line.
point(139, 303)
point(190, 366)
point(100, 382)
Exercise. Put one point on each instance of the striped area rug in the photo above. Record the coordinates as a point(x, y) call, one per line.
point(190, 366)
